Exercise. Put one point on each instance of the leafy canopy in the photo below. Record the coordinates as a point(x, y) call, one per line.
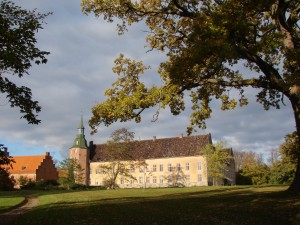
point(205, 42)
point(17, 53)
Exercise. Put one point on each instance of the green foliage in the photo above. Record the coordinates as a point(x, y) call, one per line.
point(18, 50)
point(6, 183)
point(26, 184)
point(282, 172)
point(252, 169)
point(73, 175)
point(259, 173)
point(23, 181)
point(116, 151)
point(289, 150)
point(205, 42)
point(218, 159)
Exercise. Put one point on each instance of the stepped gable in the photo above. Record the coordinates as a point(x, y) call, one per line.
point(26, 164)
point(159, 148)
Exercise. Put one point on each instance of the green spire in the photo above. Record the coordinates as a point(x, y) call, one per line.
point(80, 141)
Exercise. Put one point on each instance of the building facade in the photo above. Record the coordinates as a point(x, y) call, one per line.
point(33, 168)
point(165, 162)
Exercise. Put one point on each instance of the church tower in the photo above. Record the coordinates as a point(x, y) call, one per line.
point(81, 153)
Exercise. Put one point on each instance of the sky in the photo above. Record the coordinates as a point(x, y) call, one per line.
point(82, 52)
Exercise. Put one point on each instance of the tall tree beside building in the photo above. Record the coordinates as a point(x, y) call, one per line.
point(283, 170)
point(205, 43)
point(118, 157)
point(217, 158)
point(252, 169)
point(72, 175)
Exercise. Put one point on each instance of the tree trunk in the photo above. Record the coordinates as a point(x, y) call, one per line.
point(295, 186)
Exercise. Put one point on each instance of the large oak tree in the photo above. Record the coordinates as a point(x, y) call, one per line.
point(204, 42)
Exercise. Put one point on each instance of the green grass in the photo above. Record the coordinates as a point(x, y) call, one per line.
point(199, 205)
point(9, 201)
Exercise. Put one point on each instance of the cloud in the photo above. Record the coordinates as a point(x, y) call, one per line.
point(78, 72)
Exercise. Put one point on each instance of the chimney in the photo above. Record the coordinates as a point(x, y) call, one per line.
point(47, 153)
point(154, 138)
point(181, 136)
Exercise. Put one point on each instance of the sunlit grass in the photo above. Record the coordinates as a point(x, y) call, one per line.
point(199, 205)
point(7, 202)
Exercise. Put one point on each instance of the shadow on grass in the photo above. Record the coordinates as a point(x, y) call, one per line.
point(218, 206)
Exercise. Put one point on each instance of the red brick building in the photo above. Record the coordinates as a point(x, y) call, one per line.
point(34, 168)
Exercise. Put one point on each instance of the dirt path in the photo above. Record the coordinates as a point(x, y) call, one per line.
point(8, 217)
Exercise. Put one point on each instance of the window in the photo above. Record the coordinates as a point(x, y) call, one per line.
point(140, 180)
point(199, 177)
point(154, 180)
point(122, 180)
point(161, 179)
point(91, 171)
point(147, 168)
point(170, 179)
point(131, 181)
point(147, 180)
point(97, 171)
point(141, 169)
point(178, 178)
point(187, 166)
point(161, 167)
point(170, 167)
point(131, 168)
point(154, 168)
point(178, 167)
point(187, 178)
point(96, 181)
point(199, 165)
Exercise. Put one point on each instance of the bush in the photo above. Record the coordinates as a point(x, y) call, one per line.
point(6, 183)
point(40, 185)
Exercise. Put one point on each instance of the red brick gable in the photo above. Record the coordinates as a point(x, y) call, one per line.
point(159, 148)
point(26, 164)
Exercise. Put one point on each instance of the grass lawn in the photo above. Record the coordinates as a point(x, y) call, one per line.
point(9, 201)
point(199, 205)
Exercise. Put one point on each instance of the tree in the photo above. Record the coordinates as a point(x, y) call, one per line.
point(73, 173)
point(176, 178)
point(118, 157)
point(6, 182)
point(289, 150)
point(283, 171)
point(204, 41)
point(252, 169)
point(17, 53)
point(217, 158)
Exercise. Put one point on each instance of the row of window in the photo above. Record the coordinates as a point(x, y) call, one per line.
point(155, 180)
point(155, 169)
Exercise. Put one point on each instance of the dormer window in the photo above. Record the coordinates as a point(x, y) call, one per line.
point(23, 168)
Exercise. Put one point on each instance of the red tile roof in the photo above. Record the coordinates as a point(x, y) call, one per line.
point(158, 148)
point(26, 164)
